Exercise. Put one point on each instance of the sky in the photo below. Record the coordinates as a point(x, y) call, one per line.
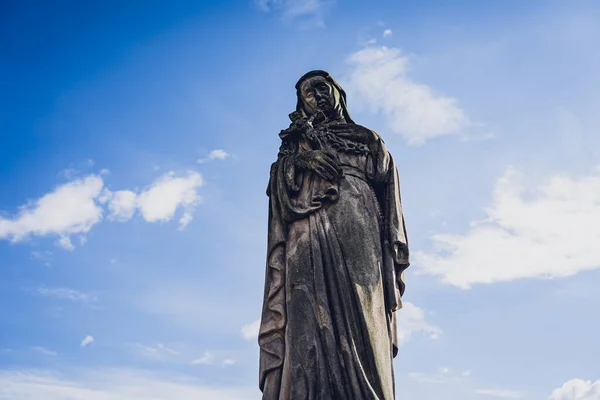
point(136, 141)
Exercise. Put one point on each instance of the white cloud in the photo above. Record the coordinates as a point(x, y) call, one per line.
point(379, 81)
point(217, 154)
point(65, 243)
point(87, 341)
point(577, 389)
point(65, 294)
point(185, 219)
point(69, 173)
point(75, 207)
point(70, 209)
point(250, 331)
point(160, 352)
point(411, 321)
point(505, 394)
point(44, 351)
point(122, 205)
point(387, 32)
point(548, 233)
point(369, 42)
point(293, 9)
point(167, 194)
point(446, 376)
point(443, 376)
point(160, 201)
point(207, 358)
point(112, 384)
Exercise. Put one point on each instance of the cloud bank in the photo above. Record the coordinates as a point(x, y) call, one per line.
point(112, 384)
point(379, 82)
point(577, 389)
point(549, 232)
point(75, 207)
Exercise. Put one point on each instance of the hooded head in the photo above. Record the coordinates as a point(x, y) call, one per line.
point(318, 91)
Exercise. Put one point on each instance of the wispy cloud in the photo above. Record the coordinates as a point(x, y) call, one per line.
point(547, 233)
point(65, 294)
point(65, 243)
point(577, 389)
point(206, 359)
point(501, 393)
point(447, 376)
point(44, 351)
point(113, 384)
point(443, 376)
point(43, 256)
point(187, 306)
point(160, 352)
point(313, 10)
point(379, 82)
point(250, 331)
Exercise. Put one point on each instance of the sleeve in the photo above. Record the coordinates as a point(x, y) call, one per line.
point(271, 338)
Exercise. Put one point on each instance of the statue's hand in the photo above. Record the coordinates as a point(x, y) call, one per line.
point(319, 162)
point(354, 132)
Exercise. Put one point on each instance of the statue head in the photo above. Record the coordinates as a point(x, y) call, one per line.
point(318, 91)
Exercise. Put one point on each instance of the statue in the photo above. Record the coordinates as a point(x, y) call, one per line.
point(337, 250)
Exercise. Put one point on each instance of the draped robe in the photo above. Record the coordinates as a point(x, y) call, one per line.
point(335, 261)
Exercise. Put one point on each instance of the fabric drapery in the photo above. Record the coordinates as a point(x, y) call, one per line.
point(336, 254)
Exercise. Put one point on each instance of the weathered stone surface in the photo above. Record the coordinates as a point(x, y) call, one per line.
point(337, 248)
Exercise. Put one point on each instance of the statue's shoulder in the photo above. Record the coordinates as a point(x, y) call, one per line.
point(375, 134)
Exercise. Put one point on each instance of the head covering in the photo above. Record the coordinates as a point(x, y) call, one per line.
point(330, 80)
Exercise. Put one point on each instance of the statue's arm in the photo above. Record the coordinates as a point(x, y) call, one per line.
point(384, 174)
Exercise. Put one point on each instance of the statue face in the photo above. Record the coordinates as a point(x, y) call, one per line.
point(318, 95)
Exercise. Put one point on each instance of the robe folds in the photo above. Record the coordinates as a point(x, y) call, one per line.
point(334, 278)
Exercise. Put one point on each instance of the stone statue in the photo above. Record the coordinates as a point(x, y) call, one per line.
point(337, 250)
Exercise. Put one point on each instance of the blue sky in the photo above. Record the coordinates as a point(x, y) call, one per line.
point(136, 143)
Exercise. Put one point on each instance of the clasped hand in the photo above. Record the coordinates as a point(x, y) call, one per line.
point(319, 162)
point(323, 163)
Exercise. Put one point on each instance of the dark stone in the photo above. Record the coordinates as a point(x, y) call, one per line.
point(337, 250)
